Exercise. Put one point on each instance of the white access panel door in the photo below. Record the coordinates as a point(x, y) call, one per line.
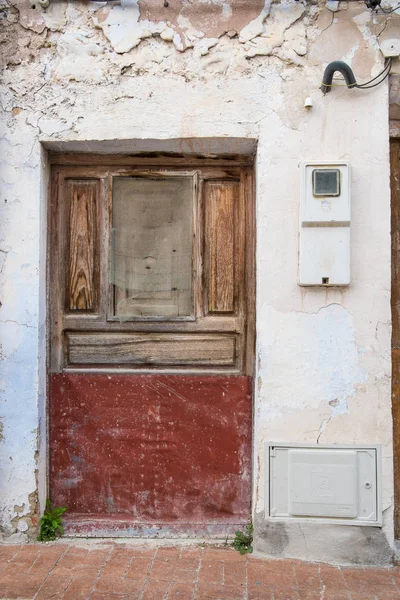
point(323, 484)
point(338, 484)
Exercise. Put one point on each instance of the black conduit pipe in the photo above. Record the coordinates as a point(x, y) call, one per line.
point(345, 70)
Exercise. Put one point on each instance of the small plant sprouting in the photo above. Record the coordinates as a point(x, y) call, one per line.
point(243, 541)
point(51, 523)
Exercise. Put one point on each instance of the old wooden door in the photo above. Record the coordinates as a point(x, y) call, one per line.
point(151, 284)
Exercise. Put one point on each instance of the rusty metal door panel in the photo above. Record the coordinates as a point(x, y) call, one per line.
point(131, 454)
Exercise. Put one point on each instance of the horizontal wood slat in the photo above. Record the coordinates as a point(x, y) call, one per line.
point(156, 160)
point(82, 241)
point(149, 349)
point(221, 199)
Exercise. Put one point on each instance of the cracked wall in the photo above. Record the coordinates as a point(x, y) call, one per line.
point(95, 73)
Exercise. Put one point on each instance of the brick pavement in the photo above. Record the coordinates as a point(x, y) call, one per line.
point(73, 572)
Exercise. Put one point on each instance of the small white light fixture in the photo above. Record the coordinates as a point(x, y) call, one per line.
point(308, 103)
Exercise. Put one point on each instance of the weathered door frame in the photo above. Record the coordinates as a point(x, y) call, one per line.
point(395, 303)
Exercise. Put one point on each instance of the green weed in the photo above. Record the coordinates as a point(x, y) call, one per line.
point(51, 523)
point(243, 541)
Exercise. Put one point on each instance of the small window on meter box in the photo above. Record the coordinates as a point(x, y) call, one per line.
point(152, 246)
point(326, 182)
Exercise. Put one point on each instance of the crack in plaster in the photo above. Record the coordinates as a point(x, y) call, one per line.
point(19, 324)
point(324, 425)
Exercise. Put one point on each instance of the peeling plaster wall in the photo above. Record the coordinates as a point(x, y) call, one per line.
point(92, 72)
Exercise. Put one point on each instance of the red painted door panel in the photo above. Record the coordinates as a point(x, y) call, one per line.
point(169, 452)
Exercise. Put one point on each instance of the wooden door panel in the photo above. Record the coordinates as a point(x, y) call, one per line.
point(151, 349)
point(82, 268)
point(221, 200)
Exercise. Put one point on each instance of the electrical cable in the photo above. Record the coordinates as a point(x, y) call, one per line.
point(385, 11)
point(365, 86)
point(383, 72)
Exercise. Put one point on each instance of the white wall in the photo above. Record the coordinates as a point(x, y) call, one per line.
point(323, 355)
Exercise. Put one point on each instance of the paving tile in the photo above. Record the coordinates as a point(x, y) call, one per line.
point(54, 587)
point(119, 585)
point(339, 595)
point(225, 554)
point(286, 595)
point(209, 591)
point(307, 576)
point(396, 575)
point(142, 551)
point(180, 591)
point(332, 595)
point(155, 590)
point(371, 581)
point(276, 574)
point(78, 553)
point(45, 561)
point(192, 551)
point(82, 565)
point(388, 595)
point(260, 592)
point(139, 567)
point(118, 563)
point(19, 587)
point(235, 573)
point(6, 554)
point(332, 578)
point(168, 552)
point(212, 571)
point(179, 571)
point(113, 595)
point(22, 562)
point(361, 596)
point(309, 594)
point(79, 588)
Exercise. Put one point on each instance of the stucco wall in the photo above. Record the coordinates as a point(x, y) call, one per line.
point(80, 72)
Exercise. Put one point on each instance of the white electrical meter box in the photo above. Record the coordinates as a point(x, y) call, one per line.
point(335, 484)
point(325, 218)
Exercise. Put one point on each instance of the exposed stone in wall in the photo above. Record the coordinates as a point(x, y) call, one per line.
point(24, 524)
point(87, 42)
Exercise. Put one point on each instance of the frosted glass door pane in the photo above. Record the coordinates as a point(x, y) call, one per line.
point(152, 246)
